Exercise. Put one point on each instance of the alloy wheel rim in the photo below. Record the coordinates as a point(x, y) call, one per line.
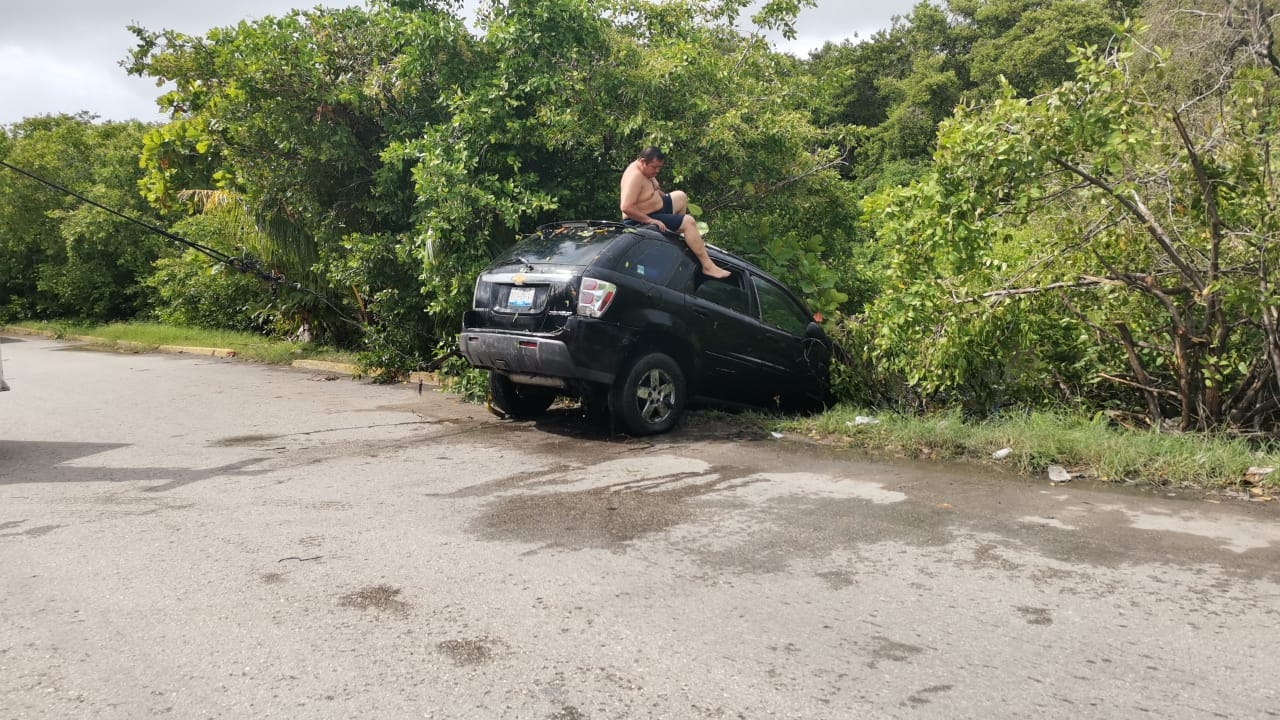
point(656, 395)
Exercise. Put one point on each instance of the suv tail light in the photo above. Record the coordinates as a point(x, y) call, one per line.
point(594, 296)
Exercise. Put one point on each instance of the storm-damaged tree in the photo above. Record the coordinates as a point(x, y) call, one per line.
point(1112, 242)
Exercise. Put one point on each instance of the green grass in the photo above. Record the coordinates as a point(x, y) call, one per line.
point(248, 346)
point(1040, 439)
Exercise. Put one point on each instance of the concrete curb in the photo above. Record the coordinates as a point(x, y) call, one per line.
point(142, 347)
point(181, 349)
point(425, 378)
point(325, 366)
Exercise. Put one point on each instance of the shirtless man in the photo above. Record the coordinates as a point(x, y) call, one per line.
point(644, 203)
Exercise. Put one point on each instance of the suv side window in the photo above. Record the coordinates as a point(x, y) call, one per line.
point(653, 260)
point(778, 309)
point(728, 292)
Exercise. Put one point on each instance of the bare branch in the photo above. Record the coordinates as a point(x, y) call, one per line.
point(1131, 383)
point(1091, 282)
point(1207, 190)
point(735, 198)
point(1135, 206)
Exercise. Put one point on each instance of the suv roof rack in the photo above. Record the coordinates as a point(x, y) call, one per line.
point(580, 224)
point(619, 224)
point(589, 224)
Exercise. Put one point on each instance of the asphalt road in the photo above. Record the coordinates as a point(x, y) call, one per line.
point(201, 538)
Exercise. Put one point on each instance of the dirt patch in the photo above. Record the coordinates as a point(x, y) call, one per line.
point(892, 651)
point(474, 651)
point(272, 578)
point(598, 517)
point(837, 579)
point(34, 531)
point(1035, 615)
point(375, 597)
point(238, 440)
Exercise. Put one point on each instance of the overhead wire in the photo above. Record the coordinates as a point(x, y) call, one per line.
point(244, 264)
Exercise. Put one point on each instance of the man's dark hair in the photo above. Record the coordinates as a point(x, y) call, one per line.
point(651, 153)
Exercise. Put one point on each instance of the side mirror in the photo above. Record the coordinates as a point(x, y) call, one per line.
point(815, 331)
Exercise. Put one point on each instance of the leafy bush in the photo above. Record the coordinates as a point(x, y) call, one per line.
point(459, 378)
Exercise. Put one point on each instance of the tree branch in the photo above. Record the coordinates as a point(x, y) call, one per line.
point(1139, 210)
point(730, 200)
point(1130, 383)
point(1135, 362)
point(1084, 282)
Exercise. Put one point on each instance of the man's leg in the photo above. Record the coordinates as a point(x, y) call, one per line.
point(679, 202)
point(693, 239)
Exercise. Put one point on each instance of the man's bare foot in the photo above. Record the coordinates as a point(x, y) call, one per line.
point(716, 271)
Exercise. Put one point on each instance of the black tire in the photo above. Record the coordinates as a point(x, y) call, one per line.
point(521, 402)
point(651, 396)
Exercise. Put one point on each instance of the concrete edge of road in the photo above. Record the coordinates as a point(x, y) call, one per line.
point(336, 368)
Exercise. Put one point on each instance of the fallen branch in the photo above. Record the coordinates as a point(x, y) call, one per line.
point(1077, 285)
point(1137, 385)
point(737, 197)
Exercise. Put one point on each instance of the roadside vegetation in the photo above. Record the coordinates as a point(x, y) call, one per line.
point(1066, 206)
point(143, 336)
point(1032, 441)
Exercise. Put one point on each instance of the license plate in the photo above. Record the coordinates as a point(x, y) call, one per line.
point(520, 297)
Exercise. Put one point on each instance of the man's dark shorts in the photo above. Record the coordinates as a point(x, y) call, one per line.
point(673, 220)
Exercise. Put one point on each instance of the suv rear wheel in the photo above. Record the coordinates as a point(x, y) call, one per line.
point(521, 402)
point(652, 395)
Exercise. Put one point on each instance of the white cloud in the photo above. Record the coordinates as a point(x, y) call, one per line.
point(36, 82)
point(64, 55)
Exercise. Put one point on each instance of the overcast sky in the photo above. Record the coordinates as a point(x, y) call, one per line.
point(62, 56)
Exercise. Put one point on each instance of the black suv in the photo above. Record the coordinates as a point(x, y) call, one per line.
point(621, 317)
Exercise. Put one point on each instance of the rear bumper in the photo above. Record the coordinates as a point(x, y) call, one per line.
point(583, 351)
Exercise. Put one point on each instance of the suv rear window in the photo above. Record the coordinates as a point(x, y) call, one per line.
point(653, 260)
point(561, 246)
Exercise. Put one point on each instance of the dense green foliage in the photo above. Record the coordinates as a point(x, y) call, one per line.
point(996, 202)
point(61, 257)
point(1110, 243)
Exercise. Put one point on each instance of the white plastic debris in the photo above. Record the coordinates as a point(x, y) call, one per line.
point(864, 420)
point(1259, 471)
point(1002, 453)
point(1059, 474)
point(776, 435)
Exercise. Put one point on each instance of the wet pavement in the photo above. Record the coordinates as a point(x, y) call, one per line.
point(196, 537)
